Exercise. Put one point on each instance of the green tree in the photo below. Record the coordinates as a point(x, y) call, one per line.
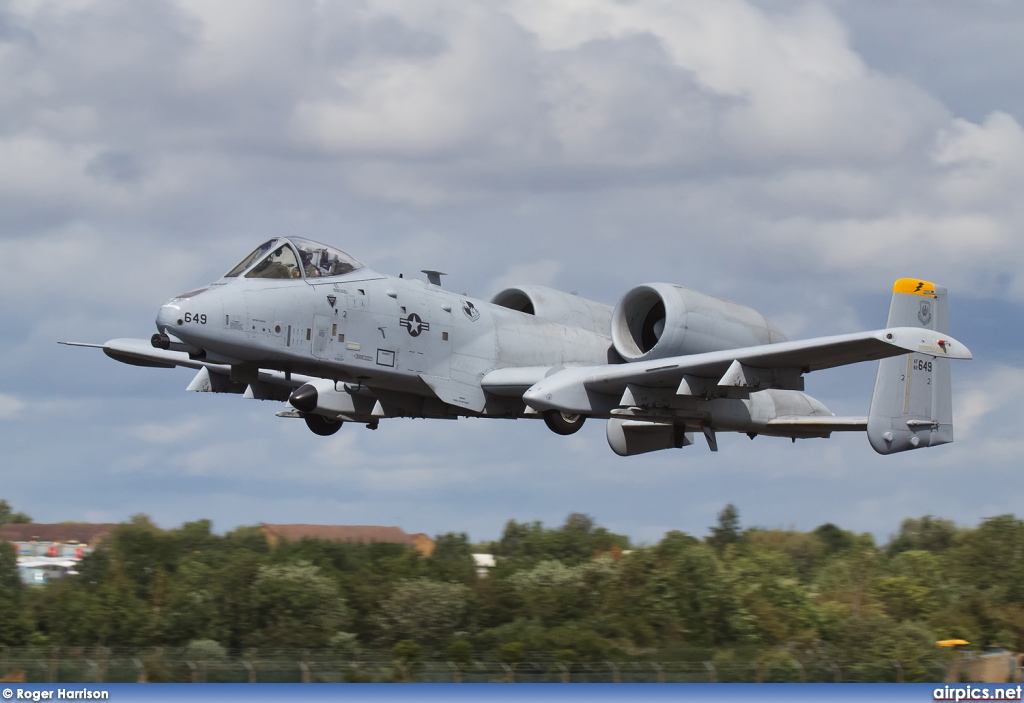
point(674, 542)
point(778, 666)
point(8, 517)
point(407, 656)
point(346, 644)
point(575, 542)
point(846, 578)
point(189, 609)
point(423, 611)
point(143, 550)
point(296, 607)
point(197, 541)
point(928, 533)
point(804, 552)
point(235, 598)
point(15, 623)
point(835, 539)
point(639, 601)
point(106, 612)
point(554, 593)
point(903, 599)
point(460, 652)
point(991, 558)
point(452, 559)
point(706, 593)
point(728, 529)
point(206, 655)
point(886, 651)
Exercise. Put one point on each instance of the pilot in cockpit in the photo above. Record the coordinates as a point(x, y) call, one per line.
point(280, 264)
point(311, 269)
point(315, 260)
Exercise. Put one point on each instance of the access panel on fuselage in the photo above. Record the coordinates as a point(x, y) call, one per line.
point(329, 332)
point(419, 330)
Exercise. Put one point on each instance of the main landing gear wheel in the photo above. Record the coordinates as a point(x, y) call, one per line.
point(563, 423)
point(323, 426)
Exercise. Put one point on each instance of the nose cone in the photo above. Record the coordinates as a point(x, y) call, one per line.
point(305, 399)
point(168, 318)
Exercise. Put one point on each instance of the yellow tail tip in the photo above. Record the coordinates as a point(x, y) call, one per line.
point(914, 286)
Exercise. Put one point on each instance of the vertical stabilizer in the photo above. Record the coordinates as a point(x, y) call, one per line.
point(912, 406)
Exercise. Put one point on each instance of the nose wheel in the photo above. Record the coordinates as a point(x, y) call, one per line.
point(323, 426)
point(563, 423)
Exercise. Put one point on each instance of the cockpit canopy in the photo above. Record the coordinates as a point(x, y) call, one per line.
point(294, 257)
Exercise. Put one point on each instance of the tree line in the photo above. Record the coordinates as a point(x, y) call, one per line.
point(576, 593)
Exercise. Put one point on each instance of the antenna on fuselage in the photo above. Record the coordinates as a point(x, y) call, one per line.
point(434, 277)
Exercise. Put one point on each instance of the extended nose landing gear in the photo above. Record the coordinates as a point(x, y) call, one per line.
point(563, 423)
point(323, 426)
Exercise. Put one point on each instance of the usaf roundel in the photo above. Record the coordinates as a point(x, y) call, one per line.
point(414, 324)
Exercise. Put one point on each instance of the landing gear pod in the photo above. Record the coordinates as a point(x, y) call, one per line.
point(324, 406)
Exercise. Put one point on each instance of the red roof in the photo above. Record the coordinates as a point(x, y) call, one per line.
point(84, 533)
point(341, 533)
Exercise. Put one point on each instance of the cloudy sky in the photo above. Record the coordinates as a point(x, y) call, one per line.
point(794, 156)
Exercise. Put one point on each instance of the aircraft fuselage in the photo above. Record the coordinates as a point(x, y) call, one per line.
point(374, 330)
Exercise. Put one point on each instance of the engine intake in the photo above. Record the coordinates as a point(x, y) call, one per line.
point(556, 306)
point(658, 320)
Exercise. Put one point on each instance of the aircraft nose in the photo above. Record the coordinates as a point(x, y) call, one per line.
point(167, 317)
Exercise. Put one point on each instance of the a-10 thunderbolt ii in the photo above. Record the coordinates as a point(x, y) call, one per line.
point(303, 322)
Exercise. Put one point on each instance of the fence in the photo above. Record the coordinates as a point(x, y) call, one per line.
point(114, 665)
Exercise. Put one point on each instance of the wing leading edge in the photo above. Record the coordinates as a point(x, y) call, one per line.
point(212, 377)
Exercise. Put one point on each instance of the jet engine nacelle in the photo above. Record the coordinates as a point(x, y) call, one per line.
point(556, 306)
point(657, 320)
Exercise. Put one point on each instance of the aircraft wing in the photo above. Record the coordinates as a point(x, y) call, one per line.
point(212, 377)
point(765, 366)
point(139, 352)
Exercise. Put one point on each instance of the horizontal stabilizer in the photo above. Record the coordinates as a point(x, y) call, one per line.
point(820, 422)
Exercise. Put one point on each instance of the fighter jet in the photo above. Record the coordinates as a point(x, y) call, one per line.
point(303, 322)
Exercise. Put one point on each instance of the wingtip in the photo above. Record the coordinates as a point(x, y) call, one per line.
point(924, 341)
point(80, 344)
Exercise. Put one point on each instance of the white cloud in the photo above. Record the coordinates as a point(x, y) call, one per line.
point(983, 163)
point(542, 273)
point(998, 142)
point(180, 433)
point(966, 240)
point(990, 401)
point(10, 406)
point(618, 87)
